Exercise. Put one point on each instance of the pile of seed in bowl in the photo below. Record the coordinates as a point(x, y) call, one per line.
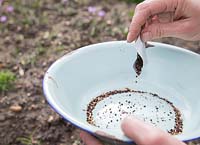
point(107, 110)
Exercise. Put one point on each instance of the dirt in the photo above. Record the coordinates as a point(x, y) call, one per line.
point(35, 35)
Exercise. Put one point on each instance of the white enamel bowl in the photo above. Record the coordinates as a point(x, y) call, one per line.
point(171, 72)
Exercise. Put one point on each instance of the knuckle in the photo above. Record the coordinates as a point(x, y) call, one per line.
point(141, 7)
point(150, 35)
point(156, 31)
point(134, 27)
point(185, 28)
point(159, 31)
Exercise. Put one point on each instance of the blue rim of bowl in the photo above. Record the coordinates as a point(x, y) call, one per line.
point(88, 131)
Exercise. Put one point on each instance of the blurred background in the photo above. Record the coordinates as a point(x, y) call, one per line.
point(33, 34)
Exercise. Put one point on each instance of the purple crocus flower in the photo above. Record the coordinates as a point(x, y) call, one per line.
point(1, 1)
point(3, 19)
point(9, 9)
point(92, 9)
point(101, 13)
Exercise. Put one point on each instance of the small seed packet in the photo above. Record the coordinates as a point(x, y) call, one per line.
point(141, 49)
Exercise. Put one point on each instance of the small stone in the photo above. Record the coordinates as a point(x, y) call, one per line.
point(109, 22)
point(67, 23)
point(20, 37)
point(72, 137)
point(15, 108)
point(76, 142)
point(15, 67)
point(59, 43)
point(60, 35)
point(51, 118)
point(46, 35)
point(44, 64)
point(23, 62)
point(28, 94)
point(33, 106)
point(19, 28)
point(43, 101)
point(21, 72)
point(7, 38)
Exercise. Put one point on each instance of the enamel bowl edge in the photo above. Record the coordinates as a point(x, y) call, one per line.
point(56, 84)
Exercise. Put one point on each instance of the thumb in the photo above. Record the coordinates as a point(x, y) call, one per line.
point(159, 30)
point(144, 134)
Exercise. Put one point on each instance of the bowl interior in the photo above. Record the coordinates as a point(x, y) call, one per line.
point(73, 81)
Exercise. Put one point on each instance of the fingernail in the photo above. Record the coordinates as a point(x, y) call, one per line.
point(130, 118)
point(128, 38)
